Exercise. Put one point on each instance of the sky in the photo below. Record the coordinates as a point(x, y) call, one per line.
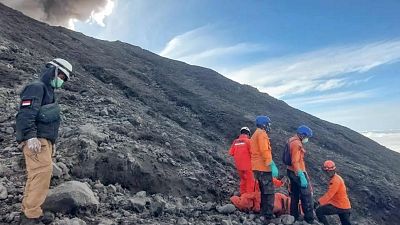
point(338, 60)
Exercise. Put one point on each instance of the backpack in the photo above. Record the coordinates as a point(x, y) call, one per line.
point(286, 156)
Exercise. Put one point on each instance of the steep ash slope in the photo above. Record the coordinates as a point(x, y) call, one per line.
point(150, 123)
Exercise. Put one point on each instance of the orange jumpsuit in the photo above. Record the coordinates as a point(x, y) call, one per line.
point(252, 201)
point(336, 194)
point(240, 150)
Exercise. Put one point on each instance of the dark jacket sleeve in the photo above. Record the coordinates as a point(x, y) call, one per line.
point(31, 101)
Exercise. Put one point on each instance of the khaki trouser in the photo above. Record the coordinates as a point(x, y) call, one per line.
point(39, 167)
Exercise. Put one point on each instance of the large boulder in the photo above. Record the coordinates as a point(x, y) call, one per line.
point(70, 197)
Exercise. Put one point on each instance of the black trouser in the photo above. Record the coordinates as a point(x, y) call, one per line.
point(298, 193)
point(323, 211)
point(267, 193)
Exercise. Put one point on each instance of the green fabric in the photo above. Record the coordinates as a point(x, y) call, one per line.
point(303, 180)
point(274, 169)
point(56, 83)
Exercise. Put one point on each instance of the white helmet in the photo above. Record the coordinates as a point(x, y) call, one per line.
point(245, 128)
point(62, 65)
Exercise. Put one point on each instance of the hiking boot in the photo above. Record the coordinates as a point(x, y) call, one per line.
point(29, 221)
point(265, 220)
point(47, 218)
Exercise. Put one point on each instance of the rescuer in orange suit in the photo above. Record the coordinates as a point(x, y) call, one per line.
point(263, 166)
point(240, 150)
point(335, 201)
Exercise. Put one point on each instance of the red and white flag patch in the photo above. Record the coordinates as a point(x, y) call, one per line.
point(27, 102)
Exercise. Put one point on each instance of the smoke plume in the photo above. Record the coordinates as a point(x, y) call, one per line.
point(64, 12)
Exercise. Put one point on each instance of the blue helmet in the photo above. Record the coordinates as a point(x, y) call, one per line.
point(304, 130)
point(263, 121)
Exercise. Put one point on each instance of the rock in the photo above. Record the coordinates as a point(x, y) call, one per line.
point(226, 222)
point(3, 170)
point(3, 192)
point(137, 204)
point(67, 221)
point(104, 112)
point(12, 217)
point(92, 132)
point(182, 221)
point(106, 222)
point(141, 194)
point(48, 217)
point(69, 197)
point(9, 130)
point(287, 219)
point(111, 188)
point(157, 208)
point(226, 209)
point(63, 167)
point(57, 171)
point(98, 185)
point(3, 48)
point(209, 206)
point(277, 220)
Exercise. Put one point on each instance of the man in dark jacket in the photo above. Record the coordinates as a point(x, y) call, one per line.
point(38, 120)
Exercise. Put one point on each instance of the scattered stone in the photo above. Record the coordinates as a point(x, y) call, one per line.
point(98, 185)
point(157, 208)
point(92, 132)
point(104, 112)
point(141, 194)
point(287, 219)
point(137, 204)
point(226, 209)
point(226, 222)
point(48, 217)
point(209, 206)
point(106, 222)
point(57, 171)
point(67, 221)
point(111, 188)
point(182, 221)
point(64, 167)
point(277, 220)
point(14, 216)
point(9, 130)
point(3, 192)
point(69, 197)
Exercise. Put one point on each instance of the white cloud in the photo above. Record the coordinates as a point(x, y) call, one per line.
point(380, 115)
point(317, 70)
point(390, 139)
point(204, 45)
point(330, 98)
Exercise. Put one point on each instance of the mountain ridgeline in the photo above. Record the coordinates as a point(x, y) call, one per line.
point(151, 123)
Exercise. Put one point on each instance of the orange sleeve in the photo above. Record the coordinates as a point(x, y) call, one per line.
point(248, 142)
point(332, 189)
point(295, 153)
point(232, 149)
point(265, 148)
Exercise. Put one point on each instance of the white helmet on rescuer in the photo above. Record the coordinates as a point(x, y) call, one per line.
point(62, 65)
point(245, 130)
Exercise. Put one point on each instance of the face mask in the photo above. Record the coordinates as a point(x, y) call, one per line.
point(57, 83)
point(305, 140)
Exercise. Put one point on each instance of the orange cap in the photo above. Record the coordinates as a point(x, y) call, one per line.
point(329, 165)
